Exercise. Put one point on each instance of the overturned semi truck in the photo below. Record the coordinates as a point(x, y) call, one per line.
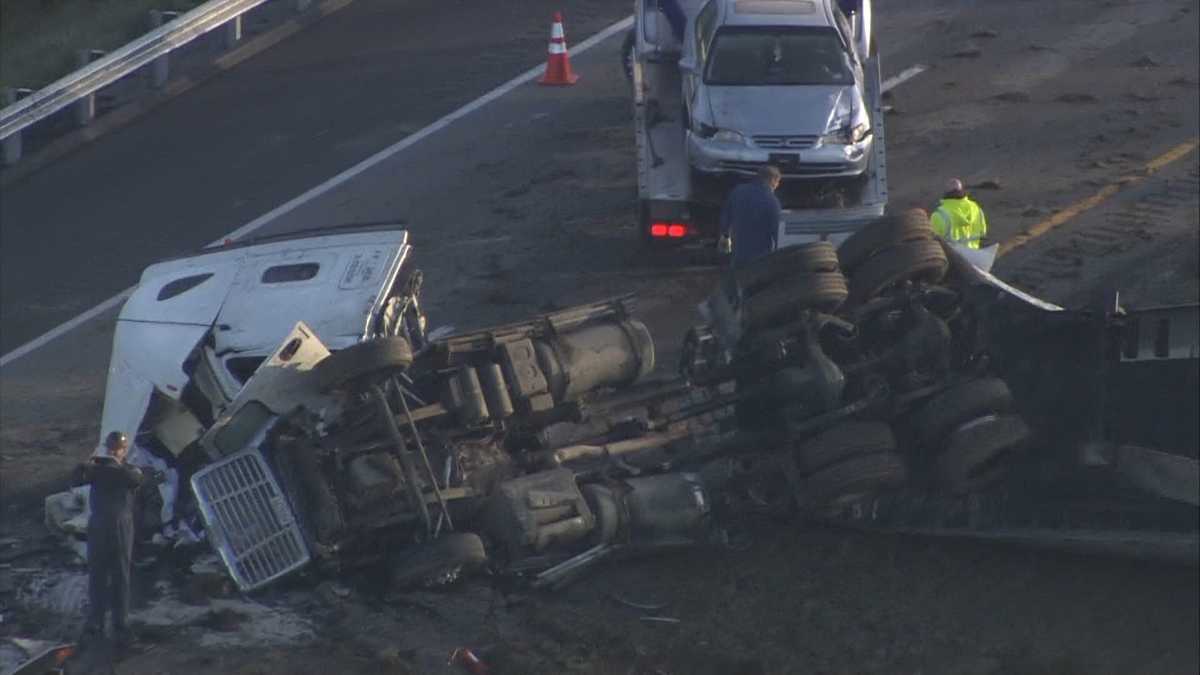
point(887, 384)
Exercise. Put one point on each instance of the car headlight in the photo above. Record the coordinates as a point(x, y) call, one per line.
point(717, 135)
point(729, 136)
point(846, 134)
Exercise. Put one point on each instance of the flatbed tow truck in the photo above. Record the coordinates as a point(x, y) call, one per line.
point(676, 205)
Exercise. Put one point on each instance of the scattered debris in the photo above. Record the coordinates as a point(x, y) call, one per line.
point(224, 620)
point(645, 606)
point(1012, 97)
point(985, 33)
point(1032, 212)
point(1146, 61)
point(1077, 98)
point(1183, 82)
point(1142, 98)
point(660, 619)
point(968, 53)
point(468, 661)
point(1041, 48)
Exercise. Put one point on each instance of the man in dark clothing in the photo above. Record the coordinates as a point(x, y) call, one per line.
point(110, 534)
point(750, 217)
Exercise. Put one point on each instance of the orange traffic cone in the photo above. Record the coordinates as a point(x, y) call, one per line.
point(558, 62)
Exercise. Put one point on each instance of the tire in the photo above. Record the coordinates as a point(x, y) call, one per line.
point(910, 225)
point(958, 405)
point(854, 477)
point(918, 260)
point(825, 291)
point(843, 442)
point(975, 453)
point(361, 363)
point(432, 562)
point(793, 261)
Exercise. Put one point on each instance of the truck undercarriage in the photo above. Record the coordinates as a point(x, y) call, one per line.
point(886, 385)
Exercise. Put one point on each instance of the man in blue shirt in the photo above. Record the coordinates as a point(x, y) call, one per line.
point(750, 217)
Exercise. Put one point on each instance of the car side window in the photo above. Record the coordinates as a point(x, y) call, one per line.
point(706, 24)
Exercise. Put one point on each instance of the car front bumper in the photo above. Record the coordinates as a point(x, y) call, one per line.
point(822, 161)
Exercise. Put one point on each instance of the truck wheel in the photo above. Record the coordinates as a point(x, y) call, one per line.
point(845, 441)
point(824, 291)
point(958, 405)
point(360, 364)
point(439, 561)
point(976, 453)
point(892, 229)
point(792, 261)
point(854, 478)
point(918, 260)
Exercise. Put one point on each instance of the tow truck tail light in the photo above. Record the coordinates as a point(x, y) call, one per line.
point(669, 230)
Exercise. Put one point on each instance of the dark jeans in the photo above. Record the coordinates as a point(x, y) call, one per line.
point(110, 550)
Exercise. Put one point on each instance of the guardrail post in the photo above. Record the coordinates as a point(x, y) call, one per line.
point(160, 68)
point(231, 32)
point(85, 107)
point(12, 144)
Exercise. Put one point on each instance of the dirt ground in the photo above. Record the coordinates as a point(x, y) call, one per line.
point(1047, 103)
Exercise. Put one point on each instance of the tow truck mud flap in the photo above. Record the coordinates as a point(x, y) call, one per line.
point(249, 521)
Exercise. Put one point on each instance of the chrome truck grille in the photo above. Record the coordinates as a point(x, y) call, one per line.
point(249, 521)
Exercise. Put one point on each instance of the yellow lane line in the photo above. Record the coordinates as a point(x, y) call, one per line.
point(1174, 154)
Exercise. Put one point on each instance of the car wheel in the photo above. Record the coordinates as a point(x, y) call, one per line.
point(977, 453)
point(892, 229)
point(783, 300)
point(852, 479)
point(959, 404)
point(845, 441)
point(363, 363)
point(792, 261)
point(438, 562)
point(918, 260)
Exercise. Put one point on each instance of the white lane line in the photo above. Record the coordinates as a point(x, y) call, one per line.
point(904, 76)
point(259, 222)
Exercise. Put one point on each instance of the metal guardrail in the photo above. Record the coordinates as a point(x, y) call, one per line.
point(119, 63)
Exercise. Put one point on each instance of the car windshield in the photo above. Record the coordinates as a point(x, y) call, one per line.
point(777, 56)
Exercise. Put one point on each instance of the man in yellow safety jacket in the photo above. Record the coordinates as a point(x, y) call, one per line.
point(958, 219)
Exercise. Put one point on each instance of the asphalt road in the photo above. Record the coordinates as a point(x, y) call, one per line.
point(81, 230)
point(527, 204)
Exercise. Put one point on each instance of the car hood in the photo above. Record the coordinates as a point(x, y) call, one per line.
point(798, 110)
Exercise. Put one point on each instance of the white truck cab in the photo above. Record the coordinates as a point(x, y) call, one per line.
point(197, 327)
